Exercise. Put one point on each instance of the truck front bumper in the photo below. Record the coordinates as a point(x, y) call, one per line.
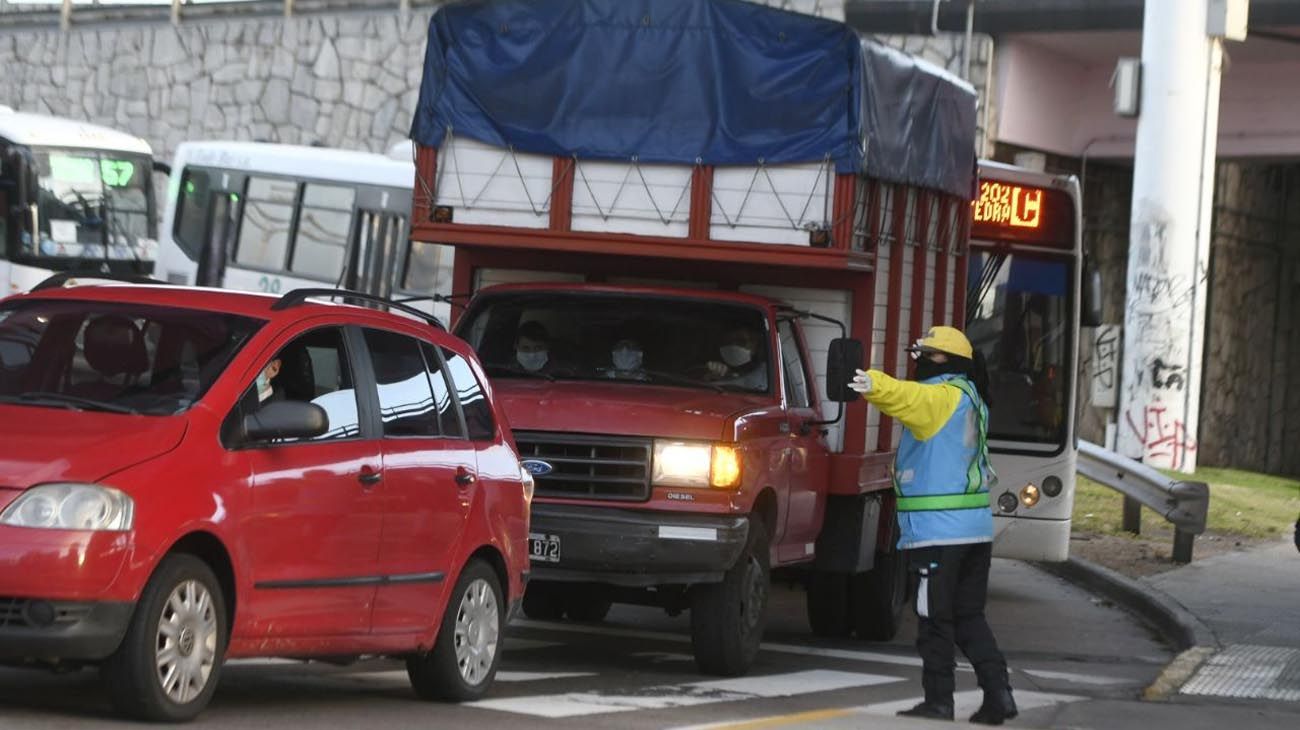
point(636, 548)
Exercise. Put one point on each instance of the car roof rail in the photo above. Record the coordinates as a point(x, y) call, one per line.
point(298, 296)
point(61, 279)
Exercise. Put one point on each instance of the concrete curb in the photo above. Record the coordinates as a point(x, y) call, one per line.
point(1168, 617)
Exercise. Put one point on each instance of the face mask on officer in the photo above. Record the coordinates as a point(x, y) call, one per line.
point(532, 361)
point(626, 357)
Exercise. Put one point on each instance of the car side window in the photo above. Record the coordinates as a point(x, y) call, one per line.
point(473, 401)
point(448, 413)
point(311, 369)
point(406, 402)
point(796, 380)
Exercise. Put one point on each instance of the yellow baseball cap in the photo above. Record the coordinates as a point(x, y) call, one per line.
point(944, 339)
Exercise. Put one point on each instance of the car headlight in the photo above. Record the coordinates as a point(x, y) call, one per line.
point(695, 464)
point(71, 507)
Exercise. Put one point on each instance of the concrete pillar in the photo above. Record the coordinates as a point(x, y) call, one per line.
point(1173, 186)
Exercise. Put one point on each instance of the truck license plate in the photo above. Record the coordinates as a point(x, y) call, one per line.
point(544, 548)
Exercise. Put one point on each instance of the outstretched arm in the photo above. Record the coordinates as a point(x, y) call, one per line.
point(922, 407)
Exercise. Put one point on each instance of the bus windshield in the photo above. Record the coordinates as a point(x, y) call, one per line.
point(658, 341)
point(93, 205)
point(1020, 320)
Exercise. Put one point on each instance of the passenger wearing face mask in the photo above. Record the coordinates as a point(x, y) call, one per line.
point(532, 348)
point(741, 360)
point(626, 357)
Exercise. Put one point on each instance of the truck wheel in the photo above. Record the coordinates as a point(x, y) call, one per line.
point(727, 618)
point(587, 603)
point(544, 601)
point(465, 656)
point(877, 598)
point(168, 664)
point(828, 605)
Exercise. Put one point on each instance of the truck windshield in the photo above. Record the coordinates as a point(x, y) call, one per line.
point(122, 358)
point(1019, 318)
point(93, 205)
point(654, 340)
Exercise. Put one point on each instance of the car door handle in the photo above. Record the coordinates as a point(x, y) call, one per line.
point(465, 477)
point(369, 478)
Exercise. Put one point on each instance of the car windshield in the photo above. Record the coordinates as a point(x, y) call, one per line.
point(610, 337)
point(1020, 321)
point(93, 205)
point(114, 357)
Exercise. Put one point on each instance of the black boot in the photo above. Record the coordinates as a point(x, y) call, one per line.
point(929, 710)
point(999, 706)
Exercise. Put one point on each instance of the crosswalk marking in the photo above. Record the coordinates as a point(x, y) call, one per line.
point(576, 704)
point(968, 702)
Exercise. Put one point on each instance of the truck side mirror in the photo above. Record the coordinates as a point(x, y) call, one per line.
point(1090, 316)
point(844, 357)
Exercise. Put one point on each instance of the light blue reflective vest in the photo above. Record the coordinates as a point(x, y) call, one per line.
point(943, 483)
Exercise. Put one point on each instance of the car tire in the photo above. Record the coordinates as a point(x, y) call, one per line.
point(544, 601)
point(877, 598)
point(587, 603)
point(465, 656)
point(727, 618)
point(828, 605)
point(169, 662)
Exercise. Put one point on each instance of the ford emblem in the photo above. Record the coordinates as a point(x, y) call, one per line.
point(537, 467)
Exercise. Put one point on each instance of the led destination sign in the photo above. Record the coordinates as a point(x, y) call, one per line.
point(1024, 213)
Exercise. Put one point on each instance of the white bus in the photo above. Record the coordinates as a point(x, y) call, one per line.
point(1025, 305)
point(73, 197)
point(272, 218)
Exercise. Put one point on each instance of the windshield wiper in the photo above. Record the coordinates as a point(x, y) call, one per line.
point(74, 400)
point(683, 380)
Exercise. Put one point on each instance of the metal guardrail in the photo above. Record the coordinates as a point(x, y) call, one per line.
point(1182, 503)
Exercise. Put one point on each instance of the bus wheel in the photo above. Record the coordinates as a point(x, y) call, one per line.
point(877, 598)
point(727, 618)
point(828, 605)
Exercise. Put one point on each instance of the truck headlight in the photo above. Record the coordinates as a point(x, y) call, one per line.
point(64, 506)
point(695, 464)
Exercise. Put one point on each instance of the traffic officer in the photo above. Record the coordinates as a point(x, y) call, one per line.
point(941, 479)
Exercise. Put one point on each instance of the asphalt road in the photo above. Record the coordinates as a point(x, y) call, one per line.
point(1076, 662)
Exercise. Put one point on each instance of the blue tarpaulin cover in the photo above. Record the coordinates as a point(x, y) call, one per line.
point(719, 82)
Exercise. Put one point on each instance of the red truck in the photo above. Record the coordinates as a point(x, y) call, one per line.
point(736, 205)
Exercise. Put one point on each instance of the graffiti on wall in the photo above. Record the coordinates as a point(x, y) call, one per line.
point(1105, 368)
point(1160, 312)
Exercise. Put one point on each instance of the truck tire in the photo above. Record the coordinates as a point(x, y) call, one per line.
point(167, 666)
point(877, 598)
point(727, 618)
point(465, 656)
point(828, 605)
point(544, 601)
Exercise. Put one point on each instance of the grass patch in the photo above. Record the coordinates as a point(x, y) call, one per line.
point(1241, 503)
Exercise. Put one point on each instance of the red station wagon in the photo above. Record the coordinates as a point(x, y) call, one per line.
point(188, 476)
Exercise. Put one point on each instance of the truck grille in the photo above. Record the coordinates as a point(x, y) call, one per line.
point(589, 467)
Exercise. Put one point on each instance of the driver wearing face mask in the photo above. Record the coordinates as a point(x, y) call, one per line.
point(626, 356)
point(742, 362)
point(532, 347)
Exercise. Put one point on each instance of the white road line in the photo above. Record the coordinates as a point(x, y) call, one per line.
point(576, 704)
point(539, 676)
point(1078, 678)
point(968, 702)
point(814, 651)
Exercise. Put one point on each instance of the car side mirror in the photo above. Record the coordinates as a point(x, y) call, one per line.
point(844, 357)
point(285, 420)
point(1090, 316)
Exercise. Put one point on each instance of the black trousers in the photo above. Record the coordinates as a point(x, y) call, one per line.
point(952, 586)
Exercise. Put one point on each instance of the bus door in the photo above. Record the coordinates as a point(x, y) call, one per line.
point(208, 222)
point(379, 240)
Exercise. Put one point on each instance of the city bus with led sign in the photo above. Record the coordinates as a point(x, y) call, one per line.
point(73, 197)
point(1023, 213)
